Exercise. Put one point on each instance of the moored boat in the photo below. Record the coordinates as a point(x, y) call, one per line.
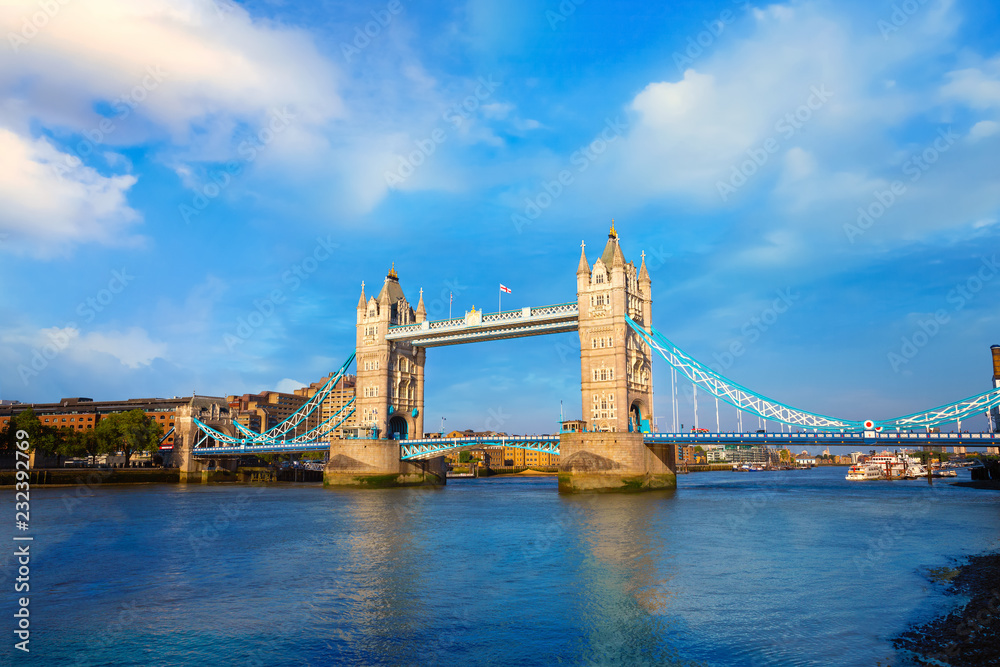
point(861, 472)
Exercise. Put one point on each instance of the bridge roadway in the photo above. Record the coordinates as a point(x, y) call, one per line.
point(431, 447)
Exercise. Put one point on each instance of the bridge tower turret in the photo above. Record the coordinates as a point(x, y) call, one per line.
point(390, 385)
point(615, 364)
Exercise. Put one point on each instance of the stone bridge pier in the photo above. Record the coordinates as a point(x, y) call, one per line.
point(375, 464)
point(616, 461)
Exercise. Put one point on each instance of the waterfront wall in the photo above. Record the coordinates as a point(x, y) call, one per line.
point(614, 462)
point(89, 476)
point(376, 464)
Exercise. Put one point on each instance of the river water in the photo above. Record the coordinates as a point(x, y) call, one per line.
point(782, 568)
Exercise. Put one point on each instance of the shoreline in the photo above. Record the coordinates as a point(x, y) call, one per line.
point(970, 634)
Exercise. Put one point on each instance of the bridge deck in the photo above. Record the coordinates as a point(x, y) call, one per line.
point(431, 447)
point(478, 327)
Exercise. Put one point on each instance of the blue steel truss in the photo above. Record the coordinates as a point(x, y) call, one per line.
point(854, 438)
point(276, 439)
point(426, 449)
point(753, 403)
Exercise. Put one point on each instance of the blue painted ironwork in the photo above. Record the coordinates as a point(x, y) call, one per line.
point(296, 418)
point(432, 447)
point(734, 394)
point(870, 437)
point(311, 441)
point(277, 437)
point(277, 448)
point(757, 404)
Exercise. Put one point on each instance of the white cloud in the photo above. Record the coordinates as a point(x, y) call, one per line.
point(200, 67)
point(133, 347)
point(979, 88)
point(50, 205)
point(288, 385)
point(983, 129)
point(64, 345)
point(829, 153)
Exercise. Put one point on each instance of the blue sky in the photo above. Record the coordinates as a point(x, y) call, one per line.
point(168, 167)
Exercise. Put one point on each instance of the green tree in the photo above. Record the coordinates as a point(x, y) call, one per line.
point(42, 438)
point(464, 457)
point(130, 433)
point(85, 443)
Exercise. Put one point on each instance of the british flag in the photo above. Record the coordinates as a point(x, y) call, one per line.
point(504, 289)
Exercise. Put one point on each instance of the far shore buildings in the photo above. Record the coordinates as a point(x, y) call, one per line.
point(83, 414)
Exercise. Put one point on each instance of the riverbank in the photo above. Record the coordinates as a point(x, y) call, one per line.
point(523, 472)
point(56, 477)
point(969, 635)
point(92, 476)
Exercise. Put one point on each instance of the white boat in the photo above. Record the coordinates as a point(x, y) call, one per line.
point(885, 465)
point(893, 465)
point(861, 472)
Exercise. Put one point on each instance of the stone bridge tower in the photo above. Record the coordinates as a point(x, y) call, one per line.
point(615, 364)
point(390, 386)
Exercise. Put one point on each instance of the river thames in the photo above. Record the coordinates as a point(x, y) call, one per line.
point(781, 568)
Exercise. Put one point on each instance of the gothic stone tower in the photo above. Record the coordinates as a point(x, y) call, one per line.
point(615, 364)
point(390, 386)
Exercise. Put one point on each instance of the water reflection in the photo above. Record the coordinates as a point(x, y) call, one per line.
point(625, 580)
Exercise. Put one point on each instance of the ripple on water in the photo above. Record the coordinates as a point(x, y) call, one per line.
point(796, 568)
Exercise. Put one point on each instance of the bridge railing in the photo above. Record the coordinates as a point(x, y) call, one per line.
point(556, 310)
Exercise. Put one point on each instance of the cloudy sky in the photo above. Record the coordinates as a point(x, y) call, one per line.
point(169, 168)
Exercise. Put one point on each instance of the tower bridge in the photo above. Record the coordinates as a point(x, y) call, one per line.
point(612, 315)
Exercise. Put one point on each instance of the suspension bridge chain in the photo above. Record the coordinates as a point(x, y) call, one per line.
point(279, 434)
point(766, 408)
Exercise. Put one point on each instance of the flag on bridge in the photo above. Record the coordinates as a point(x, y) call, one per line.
point(504, 289)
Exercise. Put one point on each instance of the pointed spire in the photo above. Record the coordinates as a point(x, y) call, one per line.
point(361, 300)
point(584, 267)
point(392, 275)
point(643, 273)
point(618, 258)
point(421, 310)
point(612, 255)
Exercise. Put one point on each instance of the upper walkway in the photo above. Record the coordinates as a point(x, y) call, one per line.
point(478, 326)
